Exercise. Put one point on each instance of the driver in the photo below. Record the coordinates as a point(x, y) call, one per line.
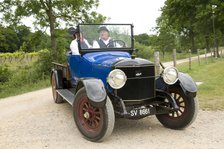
point(104, 40)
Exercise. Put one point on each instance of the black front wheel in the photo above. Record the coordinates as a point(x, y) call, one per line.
point(185, 115)
point(94, 123)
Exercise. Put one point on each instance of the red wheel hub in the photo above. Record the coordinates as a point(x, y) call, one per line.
point(90, 117)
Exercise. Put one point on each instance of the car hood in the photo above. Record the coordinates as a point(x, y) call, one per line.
point(106, 58)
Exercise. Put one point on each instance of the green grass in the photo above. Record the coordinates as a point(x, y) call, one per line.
point(17, 78)
point(8, 90)
point(211, 92)
point(169, 56)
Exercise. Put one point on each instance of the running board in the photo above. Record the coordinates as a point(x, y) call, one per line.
point(66, 95)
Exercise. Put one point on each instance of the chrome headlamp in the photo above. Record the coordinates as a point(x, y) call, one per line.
point(116, 79)
point(170, 75)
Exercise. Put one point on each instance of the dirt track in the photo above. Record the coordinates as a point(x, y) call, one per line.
point(33, 120)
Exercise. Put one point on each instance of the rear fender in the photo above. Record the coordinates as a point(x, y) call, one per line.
point(95, 91)
point(59, 78)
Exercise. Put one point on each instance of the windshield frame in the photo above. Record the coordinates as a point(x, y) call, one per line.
point(129, 49)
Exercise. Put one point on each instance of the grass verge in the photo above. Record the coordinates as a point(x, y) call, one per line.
point(6, 91)
point(211, 91)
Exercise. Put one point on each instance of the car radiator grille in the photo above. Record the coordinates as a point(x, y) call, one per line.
point(140, 83)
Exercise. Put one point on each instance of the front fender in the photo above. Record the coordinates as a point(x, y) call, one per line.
point(187, 84)
point(95, 91)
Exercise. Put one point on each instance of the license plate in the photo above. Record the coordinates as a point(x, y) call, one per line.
point(140, 112)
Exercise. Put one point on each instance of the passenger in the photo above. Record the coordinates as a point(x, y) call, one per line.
point(74, 44)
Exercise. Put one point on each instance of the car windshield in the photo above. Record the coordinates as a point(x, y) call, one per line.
point(105, 36)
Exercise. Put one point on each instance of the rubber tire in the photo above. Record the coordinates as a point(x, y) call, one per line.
point(186, 118)
point(57, 98)
point(107, 122)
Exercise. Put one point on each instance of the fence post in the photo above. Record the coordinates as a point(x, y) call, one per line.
point(26, 59)
point(206, 60)
point(174, 57)
point(157, 63)
point(215, 51)
point(189, 59)
point(43, 76)
point(221, 53)
point(198, 52)
point(212, 54)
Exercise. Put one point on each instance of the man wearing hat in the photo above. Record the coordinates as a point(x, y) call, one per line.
point(77, 37)
point(104, 40)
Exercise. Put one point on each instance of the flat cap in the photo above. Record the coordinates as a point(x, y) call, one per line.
point(73, 30)
point(103, 28)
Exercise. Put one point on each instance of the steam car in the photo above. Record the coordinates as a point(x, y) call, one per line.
point(105, 82)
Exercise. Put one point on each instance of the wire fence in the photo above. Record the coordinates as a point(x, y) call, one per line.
point(202, 57)
point(26, 59)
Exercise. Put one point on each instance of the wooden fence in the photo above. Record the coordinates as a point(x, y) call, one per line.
point(22, 59)
point(202, 54)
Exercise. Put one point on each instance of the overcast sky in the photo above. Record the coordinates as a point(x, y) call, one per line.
point(141, 13)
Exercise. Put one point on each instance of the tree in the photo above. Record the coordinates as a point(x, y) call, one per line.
point(8, 39)
point(38, 41)
point(23, 33)
point(143, 39)
point(166, 35)
point(218, 19)
point(51, 13)
point(195, 22)
point(206, 24)
point(20, 38)
point(181, 16)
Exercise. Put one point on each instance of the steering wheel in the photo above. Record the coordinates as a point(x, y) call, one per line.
point(119, 43)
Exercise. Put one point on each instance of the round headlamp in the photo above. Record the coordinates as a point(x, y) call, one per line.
point(116, 79)
point(170, 75)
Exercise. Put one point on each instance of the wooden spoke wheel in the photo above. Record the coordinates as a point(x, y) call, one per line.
point(95, 124)
point(184, 116)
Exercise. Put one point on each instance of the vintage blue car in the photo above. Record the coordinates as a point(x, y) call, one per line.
point(106, 81)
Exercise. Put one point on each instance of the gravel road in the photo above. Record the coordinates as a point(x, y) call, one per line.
point(33, 120)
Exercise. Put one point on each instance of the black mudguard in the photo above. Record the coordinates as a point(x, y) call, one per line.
point(59, 78)
point(187, 84)
point(95, 91)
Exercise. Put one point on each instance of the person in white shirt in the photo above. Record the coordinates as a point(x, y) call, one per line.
point(74, 44)
point(104, 41)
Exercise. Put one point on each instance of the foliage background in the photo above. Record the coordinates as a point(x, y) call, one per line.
point(183, 25)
